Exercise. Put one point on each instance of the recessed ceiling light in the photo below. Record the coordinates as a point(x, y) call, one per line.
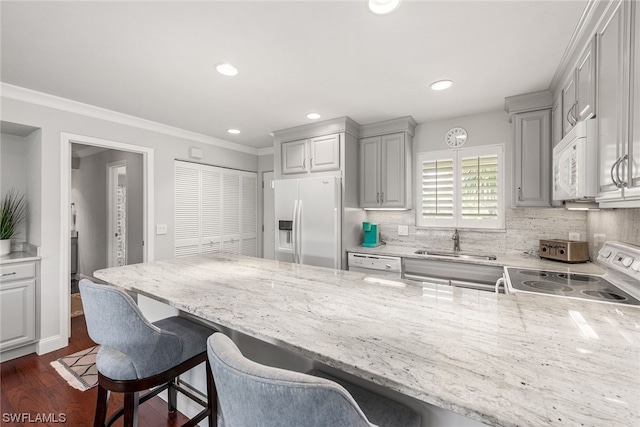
point(233, 131)
point(313, 116)
point(227, 69)
point(441, 85)
point(382, 7)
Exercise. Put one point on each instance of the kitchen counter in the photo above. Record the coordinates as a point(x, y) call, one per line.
point(523, 260)
point(14, 257)
point(505, 360)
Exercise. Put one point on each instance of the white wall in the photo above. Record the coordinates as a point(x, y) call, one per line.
point(53, 121)
point(14, 173)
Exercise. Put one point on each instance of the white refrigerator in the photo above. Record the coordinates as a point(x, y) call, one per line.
point(308, 217)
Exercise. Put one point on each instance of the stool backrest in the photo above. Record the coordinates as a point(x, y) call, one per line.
point(114, 321)
point(251, 394)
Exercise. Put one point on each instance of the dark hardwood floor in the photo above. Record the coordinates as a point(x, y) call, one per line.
point(30, 385)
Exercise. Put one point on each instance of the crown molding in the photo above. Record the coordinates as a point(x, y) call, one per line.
point(19, 93)
point(265, 151)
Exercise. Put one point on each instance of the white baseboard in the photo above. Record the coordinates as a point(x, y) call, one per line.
point(49, 344)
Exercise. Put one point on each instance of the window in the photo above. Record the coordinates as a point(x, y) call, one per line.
point(461, 188)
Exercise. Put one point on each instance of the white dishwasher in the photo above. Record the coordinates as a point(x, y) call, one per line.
point(378, 265)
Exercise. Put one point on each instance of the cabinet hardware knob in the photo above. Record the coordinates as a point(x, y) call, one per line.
point(520, 198)
point(382, 197)
point(622, 159)
point(377, 197)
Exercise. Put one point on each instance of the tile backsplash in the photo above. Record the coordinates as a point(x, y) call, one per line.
point(524, 228)
point(614, 224)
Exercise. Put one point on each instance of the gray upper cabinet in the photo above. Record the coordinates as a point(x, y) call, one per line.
point(318, 154)
point(532, 158)
point(556, 120)
point(619, 107)
point(569, 118)
point(579, 89)
point(385, 164)
point(383, 172)
point(586, 83)
point(612, 92)
point(294, 157)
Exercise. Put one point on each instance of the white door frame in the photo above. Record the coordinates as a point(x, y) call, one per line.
point(112, 184)
point(66, 139)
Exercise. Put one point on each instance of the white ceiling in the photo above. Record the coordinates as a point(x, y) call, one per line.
point(156, 60)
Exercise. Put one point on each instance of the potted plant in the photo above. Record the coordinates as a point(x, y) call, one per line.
point(13, 212)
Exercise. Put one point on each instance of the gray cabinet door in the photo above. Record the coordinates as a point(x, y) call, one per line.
point(556, 121)
point(392, 179)
point(611, 95)
point(294, 157)
point(633, 163)
point(586, 83)
point(532, 158)
point(324, 153)
point(17, 304)
point(370, 172)
point(569, 117)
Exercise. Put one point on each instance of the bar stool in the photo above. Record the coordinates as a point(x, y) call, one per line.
point(251, 394)
point(136, 355)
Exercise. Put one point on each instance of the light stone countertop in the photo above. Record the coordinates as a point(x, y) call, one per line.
point(505, 360)
point(510, 260)
point(15, 257)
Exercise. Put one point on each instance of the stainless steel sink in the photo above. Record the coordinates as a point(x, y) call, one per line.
point(455, 255)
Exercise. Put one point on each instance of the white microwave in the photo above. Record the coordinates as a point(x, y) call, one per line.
point(574, 163)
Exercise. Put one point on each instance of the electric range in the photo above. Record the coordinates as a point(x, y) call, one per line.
point(619, 285)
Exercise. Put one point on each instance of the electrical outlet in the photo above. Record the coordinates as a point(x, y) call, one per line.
point(161, 229)
point(574, 236)
point(403, 230)
point(599, 239)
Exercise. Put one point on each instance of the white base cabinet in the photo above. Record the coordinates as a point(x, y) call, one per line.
point(18, 288)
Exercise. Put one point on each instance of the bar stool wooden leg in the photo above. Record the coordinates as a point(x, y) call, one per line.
point(172, 396)
point(212, 397)
point(131, 400)
point(101, 407)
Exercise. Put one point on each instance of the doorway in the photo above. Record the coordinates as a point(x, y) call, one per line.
point(109, 187)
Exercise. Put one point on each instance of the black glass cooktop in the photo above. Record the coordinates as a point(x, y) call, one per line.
point(571, 285)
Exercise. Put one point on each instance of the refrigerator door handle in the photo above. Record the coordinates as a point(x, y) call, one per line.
point(299, 233)
point(294, 230)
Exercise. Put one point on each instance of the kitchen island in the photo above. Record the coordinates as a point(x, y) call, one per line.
point(504, 360)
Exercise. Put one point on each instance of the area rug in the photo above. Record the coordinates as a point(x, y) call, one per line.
point(76, 305)
point(79, 369)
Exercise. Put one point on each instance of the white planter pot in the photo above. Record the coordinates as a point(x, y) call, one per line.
point(5, 246)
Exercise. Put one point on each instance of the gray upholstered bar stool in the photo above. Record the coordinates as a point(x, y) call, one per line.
point(136, 355)
point(251, 394)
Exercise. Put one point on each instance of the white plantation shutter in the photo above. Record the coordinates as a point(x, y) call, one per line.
point(215, 210)
point(187, 206)
point(479, 198)
point(437, 189)
point(461, 188)
point(211, 209)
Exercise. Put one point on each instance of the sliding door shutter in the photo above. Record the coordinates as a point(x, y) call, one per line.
point(248, 213)
point(211, 209)
point(187, 209)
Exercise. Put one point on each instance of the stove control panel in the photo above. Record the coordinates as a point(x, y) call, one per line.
point(622, 257)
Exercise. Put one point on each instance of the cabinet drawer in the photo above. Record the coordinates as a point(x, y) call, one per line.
point(17, 271)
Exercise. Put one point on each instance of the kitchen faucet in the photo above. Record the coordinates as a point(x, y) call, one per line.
point(456, 241)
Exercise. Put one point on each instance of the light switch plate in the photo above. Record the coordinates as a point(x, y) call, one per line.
point(161, 229)
point(403, 230)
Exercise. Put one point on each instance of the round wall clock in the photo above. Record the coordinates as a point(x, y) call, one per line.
point(456, 137)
